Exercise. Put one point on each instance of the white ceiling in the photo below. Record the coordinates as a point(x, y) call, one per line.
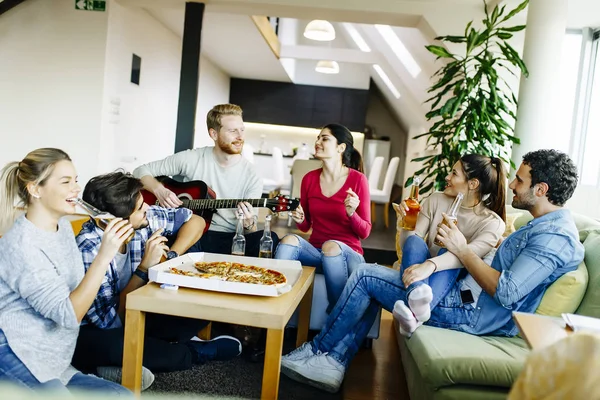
point(230, 41)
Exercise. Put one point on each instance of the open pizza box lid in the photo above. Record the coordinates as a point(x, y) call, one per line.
point(291, 269)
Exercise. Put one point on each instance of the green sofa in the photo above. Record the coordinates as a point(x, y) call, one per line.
point(444, 364)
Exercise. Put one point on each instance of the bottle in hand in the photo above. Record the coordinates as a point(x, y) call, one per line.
point(101, 218)
point(452, 216)
point(238, 246)
point(266, 242)
point(409, 222)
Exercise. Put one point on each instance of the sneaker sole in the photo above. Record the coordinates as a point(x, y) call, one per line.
point(197, 339)
point(290, 373)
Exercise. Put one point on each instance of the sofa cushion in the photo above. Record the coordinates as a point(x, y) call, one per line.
point(445, 357)
point(590, 305)
point(511, 218)
point(565, 295)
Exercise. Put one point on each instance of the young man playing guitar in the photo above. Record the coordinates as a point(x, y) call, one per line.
point(222, 168)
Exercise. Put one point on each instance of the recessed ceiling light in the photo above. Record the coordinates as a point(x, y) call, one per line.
point(358, 39)
point(320, 30)
point(387, 80)
point(327, 67)
point(399, 49)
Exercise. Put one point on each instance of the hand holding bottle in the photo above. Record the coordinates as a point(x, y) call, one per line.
point(450, 236)
point(156, 249)
point(117, 231)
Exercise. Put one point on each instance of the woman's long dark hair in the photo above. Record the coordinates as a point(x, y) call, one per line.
point(351, 158)
point(490, 173)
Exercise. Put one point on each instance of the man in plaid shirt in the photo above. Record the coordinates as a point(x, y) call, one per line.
point(168, 344)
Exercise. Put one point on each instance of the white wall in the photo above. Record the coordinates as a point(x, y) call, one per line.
point(139, 122)
point(213, 89)
point(51, 78)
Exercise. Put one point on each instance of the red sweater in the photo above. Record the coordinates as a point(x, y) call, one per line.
point(327, 215)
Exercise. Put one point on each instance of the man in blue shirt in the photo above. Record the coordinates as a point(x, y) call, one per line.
point(525, 264)
point(168, 344)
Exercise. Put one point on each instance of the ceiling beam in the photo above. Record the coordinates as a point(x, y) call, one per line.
point(268, 33)
point(331, 54)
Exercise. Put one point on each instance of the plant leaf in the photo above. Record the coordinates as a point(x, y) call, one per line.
point(439, 51)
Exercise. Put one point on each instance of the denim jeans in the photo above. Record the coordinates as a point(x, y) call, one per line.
point(13, 371)
point(337, 269)
point(415, 251)
point(369, 287)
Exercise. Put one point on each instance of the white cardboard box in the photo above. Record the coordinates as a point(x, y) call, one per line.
point(291, 269)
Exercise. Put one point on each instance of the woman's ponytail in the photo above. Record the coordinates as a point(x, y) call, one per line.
point(497, 199)
point(355, 161)
point(9, 196)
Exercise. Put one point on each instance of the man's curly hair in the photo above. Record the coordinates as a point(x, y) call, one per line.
point(555, 169)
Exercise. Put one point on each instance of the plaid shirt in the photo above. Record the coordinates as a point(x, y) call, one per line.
point(104, 310)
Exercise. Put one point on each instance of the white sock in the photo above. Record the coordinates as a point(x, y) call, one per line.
point(406, 319)
point(419, 301)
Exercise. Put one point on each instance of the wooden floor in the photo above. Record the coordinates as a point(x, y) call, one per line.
point(376, 374)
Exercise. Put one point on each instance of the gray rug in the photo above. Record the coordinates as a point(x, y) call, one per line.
point(235, 379)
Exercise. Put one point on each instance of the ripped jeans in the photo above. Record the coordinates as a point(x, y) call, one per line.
point(336, 268)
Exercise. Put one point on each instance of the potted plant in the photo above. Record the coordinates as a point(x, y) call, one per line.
point(473, 109)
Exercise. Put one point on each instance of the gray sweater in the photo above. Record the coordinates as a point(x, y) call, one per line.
point(38, 272)
point(238, 181)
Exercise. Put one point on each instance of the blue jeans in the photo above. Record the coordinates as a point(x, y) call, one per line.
point(13, 371)
point(337, 269)
point(369, 287)
point(415, 251)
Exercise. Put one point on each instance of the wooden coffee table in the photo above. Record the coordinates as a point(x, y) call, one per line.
point(539, 330)
point(272, 313)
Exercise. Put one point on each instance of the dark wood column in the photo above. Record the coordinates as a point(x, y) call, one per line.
point(190, 74)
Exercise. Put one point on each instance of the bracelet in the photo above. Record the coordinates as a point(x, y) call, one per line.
point(141, 274)
point(254, 218)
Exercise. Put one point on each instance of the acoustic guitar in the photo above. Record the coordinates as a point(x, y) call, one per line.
point(201, 199)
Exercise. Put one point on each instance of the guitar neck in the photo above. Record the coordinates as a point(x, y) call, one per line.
point(213, 204)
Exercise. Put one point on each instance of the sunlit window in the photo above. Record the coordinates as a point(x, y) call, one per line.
point(399, 49)
point(591, 161)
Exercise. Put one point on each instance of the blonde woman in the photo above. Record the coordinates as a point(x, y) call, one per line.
point(44, 293)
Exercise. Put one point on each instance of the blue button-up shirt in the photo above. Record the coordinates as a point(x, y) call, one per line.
point(104, 310)
point(529, 261)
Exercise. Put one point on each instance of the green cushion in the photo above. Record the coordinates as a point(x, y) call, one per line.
point(445, 357)
point(590, 305)
point(565, 295)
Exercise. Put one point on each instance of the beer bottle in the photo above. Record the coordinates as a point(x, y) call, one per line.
point(238, 246)
point(101, 218)
point(266, 242)
point(452, 215)
point(409, 222)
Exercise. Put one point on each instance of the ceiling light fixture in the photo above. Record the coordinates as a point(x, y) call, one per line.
point(387, 81)
point(320, 30)
point(358, 39)
point(327, 67)
point(399, 49)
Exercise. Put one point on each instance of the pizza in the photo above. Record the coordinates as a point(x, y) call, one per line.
point(234, 272)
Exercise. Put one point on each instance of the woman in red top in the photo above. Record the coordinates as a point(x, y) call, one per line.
point(335, 203)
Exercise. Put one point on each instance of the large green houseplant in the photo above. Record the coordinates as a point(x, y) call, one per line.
point(473, 108)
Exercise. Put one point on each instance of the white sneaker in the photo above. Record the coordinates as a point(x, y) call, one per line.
point(320, 371)
point(114, 374)
point(300, 353)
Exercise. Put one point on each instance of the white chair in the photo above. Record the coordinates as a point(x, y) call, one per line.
point(299, 169)
point(248, 152)
point(375, 172)
point(277, 179)
point(383, 196)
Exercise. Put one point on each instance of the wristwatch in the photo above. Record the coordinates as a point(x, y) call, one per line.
point(172, 254)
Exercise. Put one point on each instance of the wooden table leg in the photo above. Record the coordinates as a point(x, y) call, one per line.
point(204, 334)
point(272, 368)
point(304, 316)
point(133, 351)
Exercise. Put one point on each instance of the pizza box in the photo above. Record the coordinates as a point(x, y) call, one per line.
point(291, 269)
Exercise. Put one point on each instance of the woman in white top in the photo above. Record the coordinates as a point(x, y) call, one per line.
point(44, 293)
point(428, 272)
